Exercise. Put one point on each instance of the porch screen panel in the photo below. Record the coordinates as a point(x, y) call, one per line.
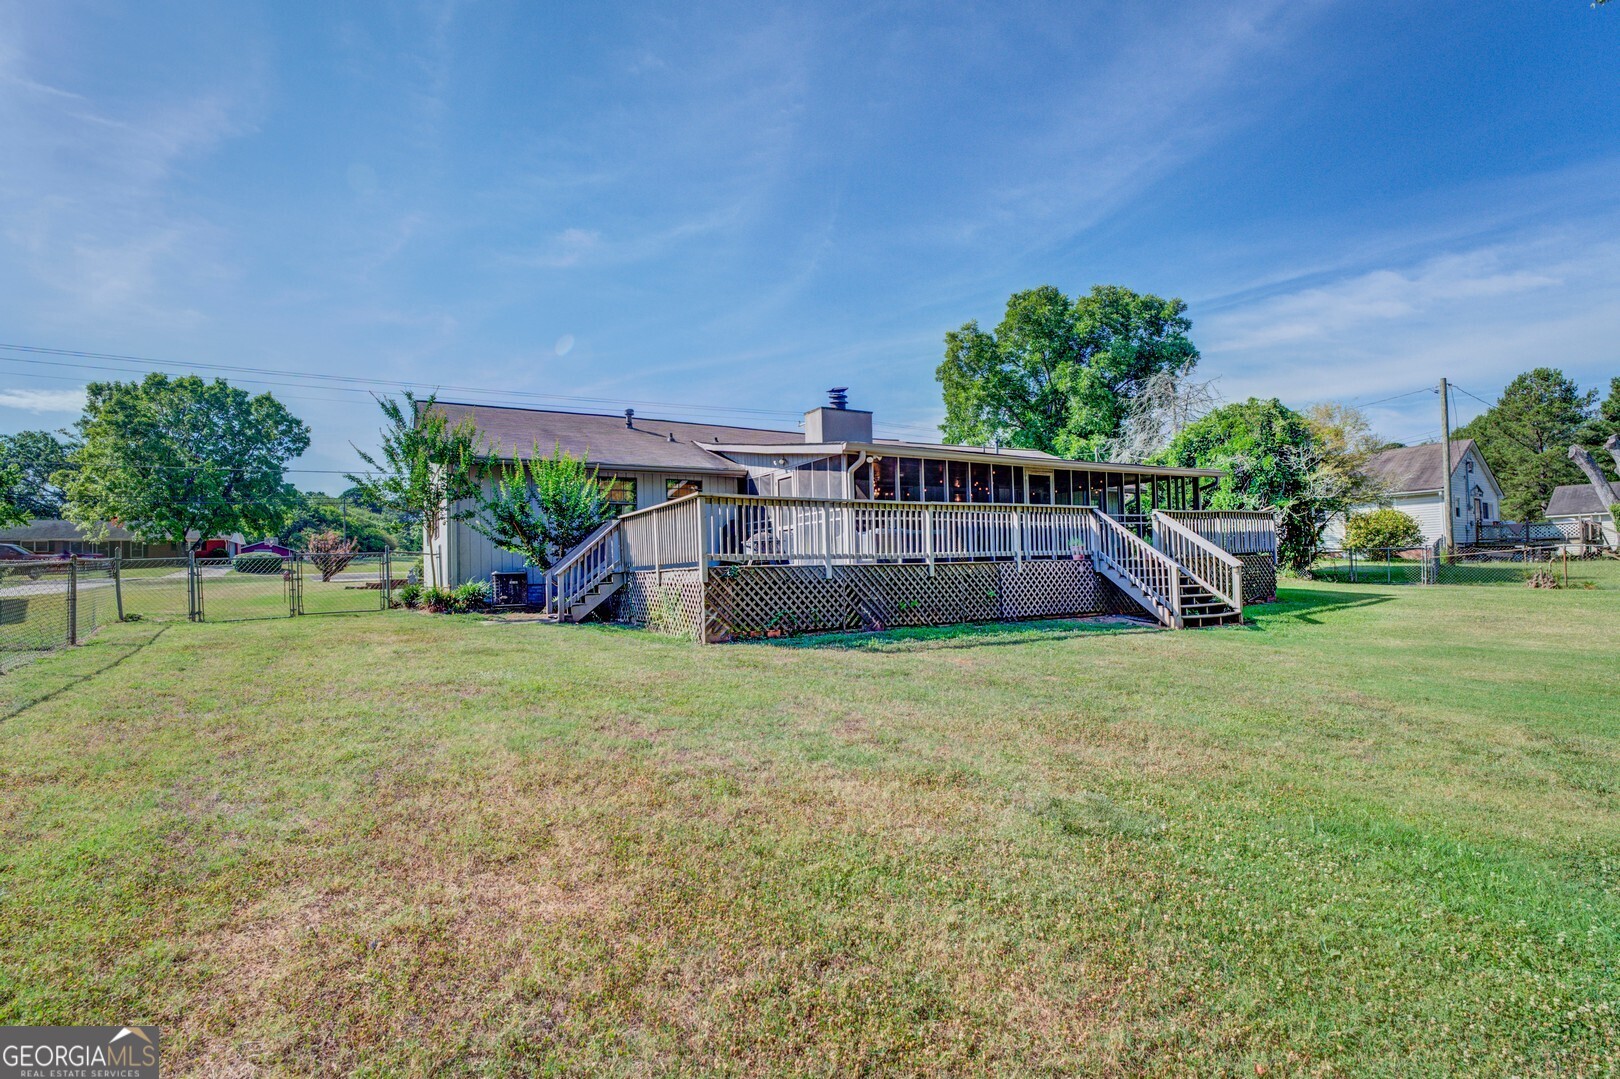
point(883, 479)
point(1060, 487)
point(863, 480)
point(958, 480)
point(933, 481)
point(1002, 479)
point(981, 482)
point(910, 479)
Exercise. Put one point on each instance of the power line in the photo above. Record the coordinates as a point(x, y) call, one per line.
point(358, 383)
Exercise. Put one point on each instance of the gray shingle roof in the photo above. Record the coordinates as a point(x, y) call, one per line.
point(49, 529)
point(606, 441)
point(1577, 499)
point(1415, 468)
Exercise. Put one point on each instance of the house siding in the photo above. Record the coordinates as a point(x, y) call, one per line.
point(1426, 507)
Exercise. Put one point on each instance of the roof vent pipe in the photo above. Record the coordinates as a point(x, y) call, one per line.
point(630, 418)
point(838, 397)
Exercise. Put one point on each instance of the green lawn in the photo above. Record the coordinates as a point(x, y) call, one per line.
point(1378, 832)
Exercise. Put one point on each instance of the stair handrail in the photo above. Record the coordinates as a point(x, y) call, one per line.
point(1148, 568)
point(587, 564)
point(1218, 570)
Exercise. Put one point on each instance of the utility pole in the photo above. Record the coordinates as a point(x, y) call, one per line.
point(1445, 464)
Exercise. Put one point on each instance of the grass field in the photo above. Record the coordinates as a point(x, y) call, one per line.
point(1378, 832)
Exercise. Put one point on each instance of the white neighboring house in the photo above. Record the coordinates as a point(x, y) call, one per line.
point(1575, 504)
point(1411, 476)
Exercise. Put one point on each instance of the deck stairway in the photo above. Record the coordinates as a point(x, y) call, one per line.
point(583, 579)
point(1200, 607)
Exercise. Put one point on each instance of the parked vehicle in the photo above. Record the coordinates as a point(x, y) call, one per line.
point(11, 552)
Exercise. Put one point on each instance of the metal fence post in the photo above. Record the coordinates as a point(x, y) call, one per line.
point(388, 582)
point(193, 592)
point(73, 599)
point(118, 580)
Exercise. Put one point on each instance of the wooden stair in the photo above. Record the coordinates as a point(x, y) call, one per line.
point(1200, 607)
point(587, 601)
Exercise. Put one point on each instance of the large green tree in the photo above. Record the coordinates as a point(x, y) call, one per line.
point(36, 457)
point(1526, 437)
point(10, 512)
point(426, 468)
point(171, 457)
point(1059, 374)
point(1273, 462)
point(541, 507)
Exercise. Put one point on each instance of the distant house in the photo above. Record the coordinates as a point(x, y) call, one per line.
point(1412, 477)
point(266, 547)
point(50, 536)
point(1577, 511)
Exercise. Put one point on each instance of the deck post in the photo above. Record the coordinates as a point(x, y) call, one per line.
point(928, 537)
point(1018, 538)
point(658, 551)
point(827, 540)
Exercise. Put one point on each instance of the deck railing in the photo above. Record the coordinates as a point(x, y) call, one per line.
point(1233, 531)
point(1215, 569)
point(748, 529)
point(1145, 566)
point(591, 561)
point(713, 529)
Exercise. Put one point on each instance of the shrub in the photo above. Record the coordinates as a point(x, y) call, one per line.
point(437, 599)
point(470, 596)
point(1379, 529)
point(410, 595)
point(257, 562)
point(330, 552)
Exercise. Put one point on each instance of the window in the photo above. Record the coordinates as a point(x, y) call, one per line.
point(910, 479)
point(674, 489)
point(1485, 511)
point(933, 481)
point(620, 492)
point(883, 479)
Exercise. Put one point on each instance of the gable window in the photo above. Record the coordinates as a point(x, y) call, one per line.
point(674, 489)
point(620, 492)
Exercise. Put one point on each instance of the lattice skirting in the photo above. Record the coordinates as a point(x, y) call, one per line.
point(672, 605)
point(759, 601)
point(1259, 577)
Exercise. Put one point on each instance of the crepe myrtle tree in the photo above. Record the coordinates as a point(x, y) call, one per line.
point(540, 507)
point(424, 469)
point(181, 459)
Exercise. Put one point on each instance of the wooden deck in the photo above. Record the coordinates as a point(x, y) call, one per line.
point(1179, 567)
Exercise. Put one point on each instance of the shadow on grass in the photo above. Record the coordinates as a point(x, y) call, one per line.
point(120, 651)
point(964, 635)
point(1303, 605)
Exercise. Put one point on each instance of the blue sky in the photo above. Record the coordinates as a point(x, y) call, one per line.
point(736, 206)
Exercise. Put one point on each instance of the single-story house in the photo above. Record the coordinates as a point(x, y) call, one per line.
point(52, 536)
point(1412, 478)
point(700, 502)
point(266, 547)
point(1576, 509)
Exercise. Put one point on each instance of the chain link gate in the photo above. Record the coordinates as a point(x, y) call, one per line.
point(325, 583)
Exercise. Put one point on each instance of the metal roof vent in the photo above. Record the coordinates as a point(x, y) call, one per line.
point(838, 397)
point(672, 436)
point(630, 418)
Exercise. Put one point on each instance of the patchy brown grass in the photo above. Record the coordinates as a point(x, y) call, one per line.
point(401, 843)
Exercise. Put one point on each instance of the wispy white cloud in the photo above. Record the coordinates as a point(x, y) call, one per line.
point(43, 400)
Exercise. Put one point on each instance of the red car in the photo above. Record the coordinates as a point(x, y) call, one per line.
point(10, 552)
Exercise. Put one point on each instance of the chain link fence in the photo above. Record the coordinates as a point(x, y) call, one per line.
point(52, 603)
point(1478, 565)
